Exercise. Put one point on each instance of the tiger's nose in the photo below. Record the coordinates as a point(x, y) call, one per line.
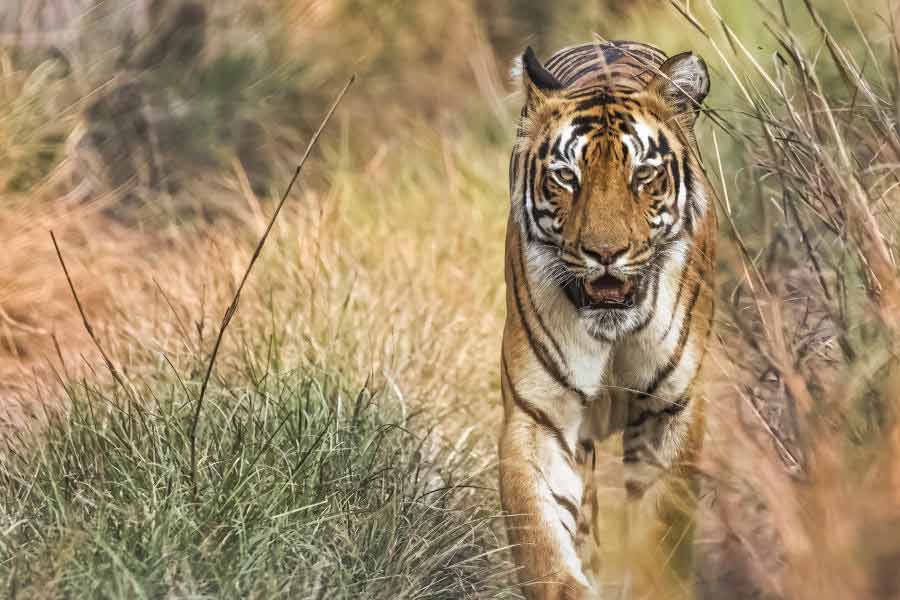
point(605, 254)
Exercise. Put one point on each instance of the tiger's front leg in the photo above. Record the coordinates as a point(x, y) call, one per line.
point(541, 495)
point(541, 491)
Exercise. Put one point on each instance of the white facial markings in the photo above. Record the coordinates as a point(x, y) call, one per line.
point(565, 135)
point(542, 210)
point(662, 220)
point(545, 275)
point(645, 134)
point(571, 153)
point(557, 168)
point(640, 144)
point(578, 149)
point(634, 151)
point(681, 192)
point(700, 201)
point(522, 188)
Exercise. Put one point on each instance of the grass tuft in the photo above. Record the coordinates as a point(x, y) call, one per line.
point(310, 486)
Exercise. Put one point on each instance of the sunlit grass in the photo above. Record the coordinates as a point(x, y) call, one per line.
point(308, 486)
point(330, 363)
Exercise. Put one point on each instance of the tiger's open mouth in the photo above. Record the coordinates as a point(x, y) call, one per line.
point(606, 291)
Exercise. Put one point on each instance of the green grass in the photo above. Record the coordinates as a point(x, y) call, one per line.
point(309, 486)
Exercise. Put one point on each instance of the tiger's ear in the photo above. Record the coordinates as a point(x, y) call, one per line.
point(682, 83)
point(539, 83)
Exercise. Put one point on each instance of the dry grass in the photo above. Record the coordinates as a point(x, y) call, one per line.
point(338, 293)
point(801, 448)
point(387, 264)
point(337, 258)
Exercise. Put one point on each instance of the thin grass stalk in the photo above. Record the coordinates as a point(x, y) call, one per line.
point(232, 308)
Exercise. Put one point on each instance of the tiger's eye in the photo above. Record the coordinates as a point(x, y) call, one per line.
point(645, 173)
point(565, 175)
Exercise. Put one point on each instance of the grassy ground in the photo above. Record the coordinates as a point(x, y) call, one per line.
point(346, 448)
point(388, 486)
point(308, 485)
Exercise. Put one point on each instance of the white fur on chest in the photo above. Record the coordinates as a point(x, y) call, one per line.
point(639, 357)
point(588, 359)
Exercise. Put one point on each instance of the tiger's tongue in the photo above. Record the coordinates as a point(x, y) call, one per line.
point(607, 289)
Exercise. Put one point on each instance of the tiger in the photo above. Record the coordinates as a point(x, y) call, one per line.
point(609, 270)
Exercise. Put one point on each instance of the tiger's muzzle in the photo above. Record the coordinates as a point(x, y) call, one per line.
point(603, 292)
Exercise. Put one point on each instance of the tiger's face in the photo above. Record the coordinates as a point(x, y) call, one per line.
point(605, 187)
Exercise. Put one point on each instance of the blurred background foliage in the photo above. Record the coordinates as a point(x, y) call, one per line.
point(141, 97)
point(153, 135)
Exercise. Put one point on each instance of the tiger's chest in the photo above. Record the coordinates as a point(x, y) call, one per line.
point(628, 364)
point(612, 376)
point(587, 359)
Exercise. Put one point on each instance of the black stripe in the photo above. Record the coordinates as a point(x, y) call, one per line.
point(586, 92)
point(582, 72)
point(603, 58)
point(580, 131)
point(572, 140)
point(553, 368)
point(688, 193)
point(546, 183)
point(675, 165)
point(587, 55)
point(601, 98)
point(681, 285)
point(688, 175)
point(528, 192)
point(588, 447)
point(537, 415)
point(567, 54)
point(537, 315)
point(540, 213)
point(542, 150)
point(541, 350)
point(645, 59)
point(652, 312)
point(670, 410)
point(664, 146)
point(556, 143)
point(675, 359)
point(590, 121)
point(566, 504)
point(612, 53)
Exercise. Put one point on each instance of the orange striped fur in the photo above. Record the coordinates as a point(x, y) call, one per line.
point(610, 297)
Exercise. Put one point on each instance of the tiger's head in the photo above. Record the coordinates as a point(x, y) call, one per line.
point(603, 176)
